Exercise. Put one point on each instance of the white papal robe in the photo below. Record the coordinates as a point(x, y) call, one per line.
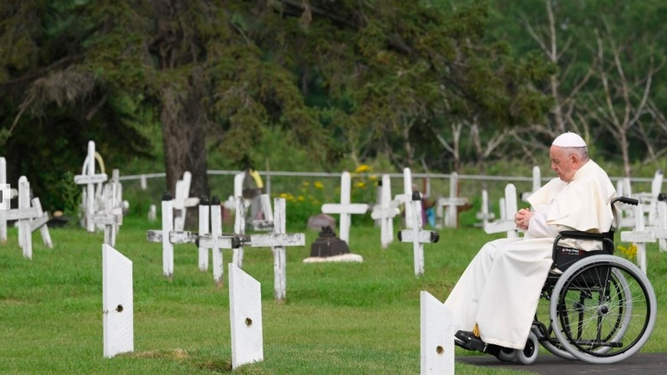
point(499, 290)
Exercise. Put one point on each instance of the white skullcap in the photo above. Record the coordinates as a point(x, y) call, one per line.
point(569, 140)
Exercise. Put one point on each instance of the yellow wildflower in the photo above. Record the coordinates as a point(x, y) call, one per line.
point(362, 168)
point(319, 185)
point(360, 184)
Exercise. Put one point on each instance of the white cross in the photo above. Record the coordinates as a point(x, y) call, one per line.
point(484, 214)
point(89, 178)
point(385, 212)
point(204, 240)
point(278, 240)
point(639, 237)
point(111, 217)
point(345, 209)
point(508, 209)
point(183, 201)
point(451, 212)
point(537, 183)
point(30, 218)
point(417, 235)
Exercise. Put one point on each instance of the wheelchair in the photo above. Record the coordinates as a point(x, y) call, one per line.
point(594, 306)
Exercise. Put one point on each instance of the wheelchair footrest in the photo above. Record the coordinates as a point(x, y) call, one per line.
point(467, 340)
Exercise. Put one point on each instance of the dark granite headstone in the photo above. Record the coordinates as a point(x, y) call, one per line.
point(327, 244)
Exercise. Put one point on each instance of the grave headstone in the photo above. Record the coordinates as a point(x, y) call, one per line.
point(329, 248)
point(118, 302)
point(245, 314)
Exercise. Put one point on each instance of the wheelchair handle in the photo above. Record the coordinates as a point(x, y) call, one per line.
point(625, 200)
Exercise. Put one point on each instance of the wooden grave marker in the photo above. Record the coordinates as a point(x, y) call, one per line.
point(278, 240)
point(451, 204)
point(245, 315)
point(89, 179)
point(344, 209)
point(436, 336)
point(508, 209)
point(118, 302)
point(417, 235)
point(385, 213)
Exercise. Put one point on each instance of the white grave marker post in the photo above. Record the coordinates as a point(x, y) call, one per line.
point(152, 213)
point(110, 218)
point(204, 214)
point(624, 189)
point(537, 183)
point(230, 203)
point(417, 235)
point(3, 218)
point(508, 209)
point(118, 305)
point(278, 241)
point(656, 185)
point(245, 314)
point(450, 218)
point(239, 230)
point(485, 215)
point(216, 247)
point(639, 237)
point(345, 209)
point(407, 197)
point(40, 223)
point(25, 232)
point(385, 212)
point(183, 201)
point(167, 227)
point(437, 336)
point(89, 178)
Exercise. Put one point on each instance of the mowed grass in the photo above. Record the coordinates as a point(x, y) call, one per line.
point(354, 318)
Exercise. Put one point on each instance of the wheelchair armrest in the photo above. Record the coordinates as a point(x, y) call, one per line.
point(579, 235)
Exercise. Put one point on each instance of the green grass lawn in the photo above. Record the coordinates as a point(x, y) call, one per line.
point(358, 318)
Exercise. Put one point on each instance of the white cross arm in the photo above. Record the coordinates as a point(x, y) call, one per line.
point(22, 213)
point(107, 219)
point(352, 208)
point(426, 236)
point(83, 179)
point(274, 240)
point(638, 236)
point(382, 213)
point(659, 232)
point(219, 242)
point(174, 237)
point(37, 223)
point(187, 202)
point(452, 201)
point(500, 226)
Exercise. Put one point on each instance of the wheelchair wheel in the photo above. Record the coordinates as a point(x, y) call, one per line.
point(555, 349)
point(603, 309)
point(506, 355)
point(528, 354)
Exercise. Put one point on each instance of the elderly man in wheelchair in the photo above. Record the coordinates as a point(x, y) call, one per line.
point(601, 308)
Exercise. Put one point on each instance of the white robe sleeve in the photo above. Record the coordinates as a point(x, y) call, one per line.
point(538, 227)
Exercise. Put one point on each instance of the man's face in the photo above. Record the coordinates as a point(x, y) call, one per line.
point(563, 164)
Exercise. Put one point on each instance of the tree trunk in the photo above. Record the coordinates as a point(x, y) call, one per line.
point(184, 142)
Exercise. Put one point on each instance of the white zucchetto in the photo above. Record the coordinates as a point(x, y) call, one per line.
point(569, 140)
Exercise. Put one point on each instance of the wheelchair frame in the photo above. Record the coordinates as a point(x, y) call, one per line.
point(602, 308)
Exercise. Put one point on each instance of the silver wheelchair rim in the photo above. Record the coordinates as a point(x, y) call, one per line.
point(617, 265)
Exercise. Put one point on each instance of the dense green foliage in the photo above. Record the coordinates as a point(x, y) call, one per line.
point(429, 84)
